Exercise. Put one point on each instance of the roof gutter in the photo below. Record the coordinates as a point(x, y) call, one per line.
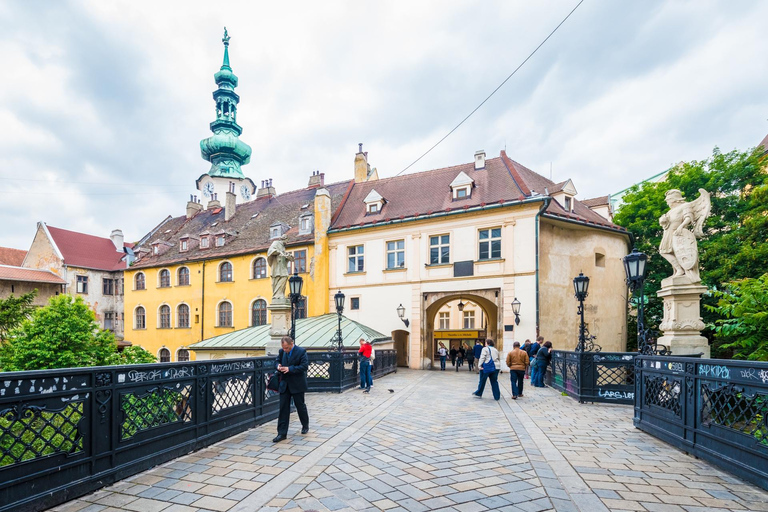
point(587, 224)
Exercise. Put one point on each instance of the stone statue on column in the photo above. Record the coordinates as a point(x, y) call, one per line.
point(280, 307)
point(683, 224)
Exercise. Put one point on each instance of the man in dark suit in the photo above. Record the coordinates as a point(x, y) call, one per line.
point(292, 363)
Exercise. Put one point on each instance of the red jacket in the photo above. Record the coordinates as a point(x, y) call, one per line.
point(366, 350)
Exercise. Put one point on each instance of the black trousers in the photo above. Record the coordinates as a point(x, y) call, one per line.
point(285, 411)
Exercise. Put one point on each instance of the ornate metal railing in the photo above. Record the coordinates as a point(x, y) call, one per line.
point(593, 376)
point(714, 409)
point(64, 433)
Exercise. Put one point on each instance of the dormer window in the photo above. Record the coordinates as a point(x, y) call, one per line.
point(183, 244)
point(277, 230)
point(568, 204)
point(155, 249)
point(305, 224)
point(374, 202)
point(219, 240)
point(204, 242)
point(461, 186)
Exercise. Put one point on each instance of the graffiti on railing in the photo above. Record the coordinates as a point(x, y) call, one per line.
point(609, 394)
point(713, 370)
point(755, 374)
point(232, 367)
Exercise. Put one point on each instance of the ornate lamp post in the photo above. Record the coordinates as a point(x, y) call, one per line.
point(461, 304)
point(636, 271)
point(295, 283)
point(581, 287)
point(339, 299)
point(401, 314)
point(516, 310)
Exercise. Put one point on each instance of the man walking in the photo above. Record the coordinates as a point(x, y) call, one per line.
point(366, 375)
point(517, 361)
point(489, 365)
point(443, 353)
point(292, 363)
point(478, 349)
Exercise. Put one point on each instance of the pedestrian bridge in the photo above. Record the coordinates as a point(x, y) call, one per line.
point(428, 445)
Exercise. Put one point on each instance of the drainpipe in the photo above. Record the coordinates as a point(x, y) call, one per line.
point(544, 205)
point(202, 308)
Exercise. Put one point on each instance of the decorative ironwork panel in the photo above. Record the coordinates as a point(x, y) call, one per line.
point(268, 393)
point(231, 392)
point(157, 407)
point(663, 392)
point(29, 431)
point(615, 375)
point(319, 370)
point(731, 407)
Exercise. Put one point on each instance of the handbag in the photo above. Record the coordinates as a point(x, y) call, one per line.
point(273, 384)
point(489, 366)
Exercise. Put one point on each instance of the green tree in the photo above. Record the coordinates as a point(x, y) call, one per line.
point(13, 311)
point(743, 308)
point(734, 246)
point(132, 355)
point(63, 334)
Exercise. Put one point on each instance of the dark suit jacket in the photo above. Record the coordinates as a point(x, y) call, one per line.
point(295, 381)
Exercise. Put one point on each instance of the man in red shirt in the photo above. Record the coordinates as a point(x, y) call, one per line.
point(366, 358)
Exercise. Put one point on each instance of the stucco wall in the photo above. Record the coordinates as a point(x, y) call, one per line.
point(44, 290)
point(42, 254)
point(566, 250)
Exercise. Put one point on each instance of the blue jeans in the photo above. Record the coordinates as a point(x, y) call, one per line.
point(366, 378)
point(494, 377)
point(517, 377)
point(537, 375)
point(442, 362)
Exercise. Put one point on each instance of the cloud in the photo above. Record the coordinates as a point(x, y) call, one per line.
point(103, 104)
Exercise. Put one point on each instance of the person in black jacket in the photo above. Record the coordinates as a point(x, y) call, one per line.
point(292, 362)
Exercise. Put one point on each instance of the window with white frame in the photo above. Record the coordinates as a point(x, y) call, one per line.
point(469, 319)
point(439, 249)
point(373, 208)
point(396, 254)
point(183, 244)
point(489, 244)
point(165, 317)
point(204, 242)
point(568, 204)
point(165, 278)
point(82, 284)
point(355, 258)
point(140, 318)
point(259, 268)
point(225, 272)
point(305, 224)
point(259, 312)
point(165, 355)
point(445, 320)
point(183, 276)
point(182, 355)
point(461, 192)
point(220, 241)
point(139, 281)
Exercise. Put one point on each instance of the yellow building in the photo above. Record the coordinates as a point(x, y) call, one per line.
point(205, 273)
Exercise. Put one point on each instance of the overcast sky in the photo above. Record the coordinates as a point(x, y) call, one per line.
point(103, 103)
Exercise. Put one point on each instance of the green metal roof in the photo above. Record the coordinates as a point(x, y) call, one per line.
point(312, 332)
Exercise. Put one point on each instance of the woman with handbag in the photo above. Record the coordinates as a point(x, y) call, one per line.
point(489, 364)
point(540, 364)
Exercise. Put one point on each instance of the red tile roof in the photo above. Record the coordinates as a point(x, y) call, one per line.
point(14, 273)
point(13, 257)
point(764, 143)
point(87, 251)
point(597, 201)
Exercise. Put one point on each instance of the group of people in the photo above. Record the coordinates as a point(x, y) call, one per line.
point(529, 361)
point(458, 356)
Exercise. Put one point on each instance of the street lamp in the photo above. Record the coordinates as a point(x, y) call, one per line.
point(581, 287)
point(339, 299)
point(636, 270)
point(516, 310)
point(401, 314)
point(461, 304)
point(295, 283)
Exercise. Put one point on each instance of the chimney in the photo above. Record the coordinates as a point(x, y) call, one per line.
point(317, 180)
point(193, 206)
point(229, 205)
point(361, 165)
point(479, 159)
point(117, 239)
point(266, 190)
point(214, 202)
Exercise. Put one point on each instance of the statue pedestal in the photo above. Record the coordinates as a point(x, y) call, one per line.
point(280, 326)
point(682, 323)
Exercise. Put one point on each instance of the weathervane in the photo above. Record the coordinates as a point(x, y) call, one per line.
point(225, 39)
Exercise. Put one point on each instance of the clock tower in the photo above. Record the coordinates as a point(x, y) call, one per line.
point(224, 149)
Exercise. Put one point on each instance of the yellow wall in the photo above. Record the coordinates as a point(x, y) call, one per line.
point(241, 292)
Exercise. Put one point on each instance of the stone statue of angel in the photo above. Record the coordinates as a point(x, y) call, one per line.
point(678, 244)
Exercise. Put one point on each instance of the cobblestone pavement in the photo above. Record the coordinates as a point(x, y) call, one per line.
point(432, 446)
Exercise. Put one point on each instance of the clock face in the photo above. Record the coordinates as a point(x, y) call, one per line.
point(245, 192)
point(208, 189)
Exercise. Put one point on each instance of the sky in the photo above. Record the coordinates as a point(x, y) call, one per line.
point(103, 104)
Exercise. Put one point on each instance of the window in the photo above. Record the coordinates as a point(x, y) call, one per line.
point(165, 317)
point(165, 278)
point(469, 319)
point(183, 276)
point(305, 224)
point(155, 249)
point(82, 284)
point(354, 303)
point(462, 192)
point(599, 259)
point(204, 242)
point(259, 312)
point(225, 314)
point(490, 244)
point(225, 272)
point(396, 254)
point(568, 202)
point(182, 355)
point(140, 318)
point(183, 245)
point(139, 281)
point(300, 261)
point(445, 320)
point(165, 355)
point(301, 308)
point(356, 258)
point(276, 231)
point(108, 286)
point(120, 286)
point(110, 321)
point(220, 241)
point(259, 268)
point(373, 208)
point(439, 249)
point(182, 316)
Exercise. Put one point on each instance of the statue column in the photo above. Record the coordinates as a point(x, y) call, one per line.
point(280, 311)
point(682, 323)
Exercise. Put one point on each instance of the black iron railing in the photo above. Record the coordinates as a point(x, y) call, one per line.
point(64, 433)
point(716, 410)
point(593, 376)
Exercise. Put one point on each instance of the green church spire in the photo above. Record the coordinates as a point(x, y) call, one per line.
point(224, 149)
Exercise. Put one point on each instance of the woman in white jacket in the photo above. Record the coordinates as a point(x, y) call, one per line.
point(489, 365)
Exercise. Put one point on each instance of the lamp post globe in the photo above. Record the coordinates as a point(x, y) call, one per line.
point(516, 310)
point(401, 311)
point(581, 286)
point(339, 300)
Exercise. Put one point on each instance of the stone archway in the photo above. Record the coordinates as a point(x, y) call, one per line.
point(400, 338)
point(488, 300)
